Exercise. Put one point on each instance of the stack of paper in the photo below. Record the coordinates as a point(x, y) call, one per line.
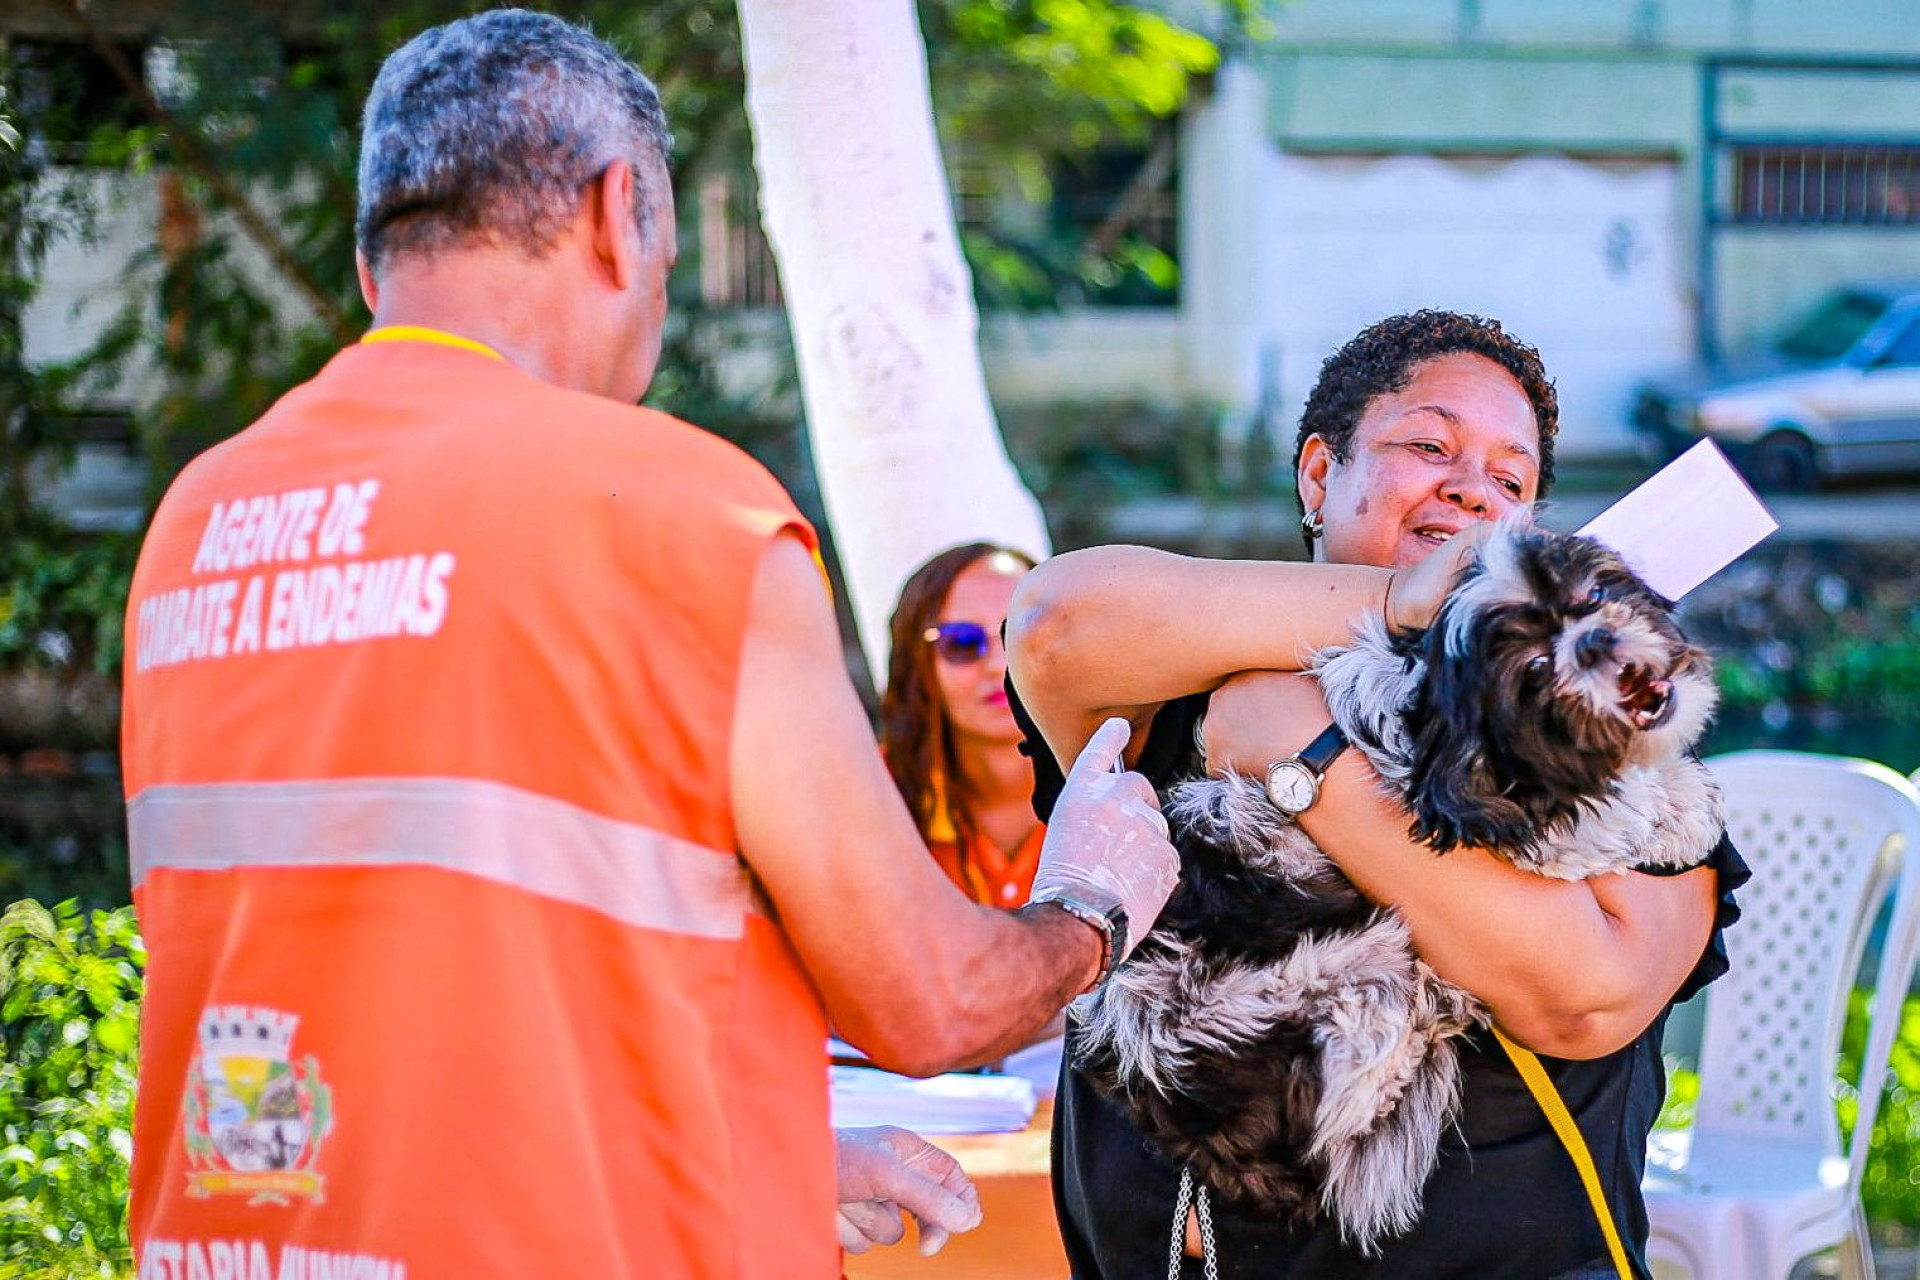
point(944, 1104)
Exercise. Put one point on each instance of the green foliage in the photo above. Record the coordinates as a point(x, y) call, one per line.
point(63, 837)
point(1869, 667)
point(36, 212)
point(69, 1018)
point(1083, 67)
point(62, 597)
point(1683, 1094)
point(1817, 648)
point(1891, 1186)
point(213, 329)
point(1864, 667)
point(1097, 454)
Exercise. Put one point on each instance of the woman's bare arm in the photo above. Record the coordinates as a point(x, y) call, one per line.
point(1121, 630)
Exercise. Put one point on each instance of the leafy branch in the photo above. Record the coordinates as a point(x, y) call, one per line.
point(194, 149)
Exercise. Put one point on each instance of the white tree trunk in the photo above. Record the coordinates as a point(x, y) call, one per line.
point(855, 203)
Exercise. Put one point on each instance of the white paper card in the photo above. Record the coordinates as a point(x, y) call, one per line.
point(1686, 522)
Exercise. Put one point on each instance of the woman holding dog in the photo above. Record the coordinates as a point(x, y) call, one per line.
point(1419, 430)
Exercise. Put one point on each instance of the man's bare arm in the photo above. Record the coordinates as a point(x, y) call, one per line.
point(1120, 631)
point(910, 970)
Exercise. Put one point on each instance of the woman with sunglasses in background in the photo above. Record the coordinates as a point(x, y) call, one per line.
point(950, 741)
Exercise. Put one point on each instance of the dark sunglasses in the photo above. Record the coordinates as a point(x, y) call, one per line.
point(960, 643)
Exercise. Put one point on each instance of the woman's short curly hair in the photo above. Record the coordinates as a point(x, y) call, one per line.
point(1381, 358)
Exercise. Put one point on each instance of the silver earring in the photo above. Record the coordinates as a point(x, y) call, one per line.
point(1312, 524)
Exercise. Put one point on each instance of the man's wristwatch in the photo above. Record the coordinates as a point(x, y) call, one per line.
point(1111, 924)
point(1293, 784)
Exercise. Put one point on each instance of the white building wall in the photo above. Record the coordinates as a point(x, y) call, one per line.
point(84, 283)
point(91, 274)
point(1087, 354)
point(1226, 216)
point(1576, 256)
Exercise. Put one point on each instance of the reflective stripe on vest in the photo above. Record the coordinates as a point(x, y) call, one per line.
point(500, 833)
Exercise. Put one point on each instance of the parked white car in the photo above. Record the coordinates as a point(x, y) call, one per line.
point(1839, 396)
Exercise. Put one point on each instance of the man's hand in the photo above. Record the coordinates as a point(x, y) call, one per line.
point(1107, 841)
point(1415, 594)
point(886, 1170)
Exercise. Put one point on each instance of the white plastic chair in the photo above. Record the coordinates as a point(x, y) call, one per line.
point(1761, 1180)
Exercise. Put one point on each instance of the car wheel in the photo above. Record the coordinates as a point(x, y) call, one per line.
point(1783, 463)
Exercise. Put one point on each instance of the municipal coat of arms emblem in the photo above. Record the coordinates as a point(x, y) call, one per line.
point(255, 1118)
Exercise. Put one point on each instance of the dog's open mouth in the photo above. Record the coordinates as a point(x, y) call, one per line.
point(1648, 701)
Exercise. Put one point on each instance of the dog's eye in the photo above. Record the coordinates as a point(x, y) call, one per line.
point(1539, 664)
point(1597, 596)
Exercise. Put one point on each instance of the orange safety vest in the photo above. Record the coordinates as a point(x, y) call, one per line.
point(454, 969)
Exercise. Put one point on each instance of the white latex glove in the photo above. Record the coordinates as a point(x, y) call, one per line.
point(885, 1170)
point(1107, 841)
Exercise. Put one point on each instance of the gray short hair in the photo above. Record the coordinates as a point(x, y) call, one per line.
point(486, 129)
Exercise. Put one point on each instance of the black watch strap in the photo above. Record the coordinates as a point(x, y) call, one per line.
point(1320, 754)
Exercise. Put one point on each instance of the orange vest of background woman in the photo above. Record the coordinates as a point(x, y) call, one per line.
point(455, 971)
point(985, 872)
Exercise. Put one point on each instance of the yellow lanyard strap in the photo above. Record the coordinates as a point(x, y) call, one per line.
point(439, 337)
point(1541, 1087)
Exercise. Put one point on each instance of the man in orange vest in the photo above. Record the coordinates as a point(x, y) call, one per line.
point(505, 828)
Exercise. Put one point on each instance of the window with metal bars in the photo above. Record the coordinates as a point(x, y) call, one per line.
point(1827, 184)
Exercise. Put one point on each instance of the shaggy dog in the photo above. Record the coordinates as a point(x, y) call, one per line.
point(1275, 1031)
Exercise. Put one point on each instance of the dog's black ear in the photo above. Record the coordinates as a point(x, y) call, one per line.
point(1451, 788)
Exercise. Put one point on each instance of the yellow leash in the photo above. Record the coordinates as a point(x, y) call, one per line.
point(1541, 1087)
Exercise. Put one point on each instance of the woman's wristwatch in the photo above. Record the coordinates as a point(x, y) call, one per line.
point(1293, 784)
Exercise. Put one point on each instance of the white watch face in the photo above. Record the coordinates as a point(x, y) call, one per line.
point(1292, 786)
